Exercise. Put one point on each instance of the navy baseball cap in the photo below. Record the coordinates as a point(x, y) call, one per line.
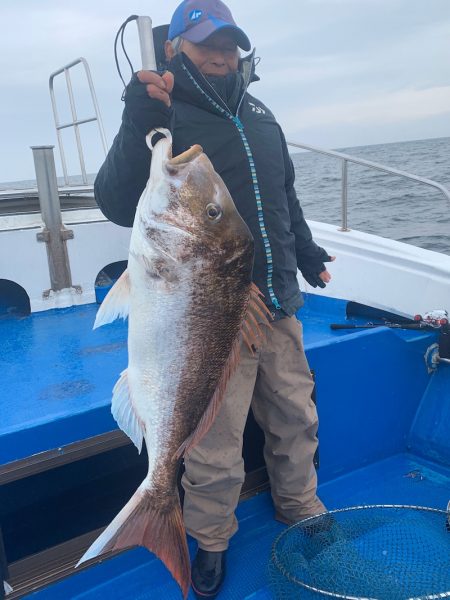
point(196, 20)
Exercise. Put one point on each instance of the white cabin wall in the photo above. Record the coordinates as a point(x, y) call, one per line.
point(24, 260)
point(383, 273)
point(96, 244)
point(369, 269)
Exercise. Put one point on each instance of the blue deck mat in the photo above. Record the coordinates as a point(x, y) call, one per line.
point(55, 369)
point(137, 575)
point(58, 374)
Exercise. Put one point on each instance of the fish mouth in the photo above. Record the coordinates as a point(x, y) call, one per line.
point(185, 157)
point(162, 152)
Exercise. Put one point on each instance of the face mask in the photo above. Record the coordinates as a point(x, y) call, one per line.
point(228, 87)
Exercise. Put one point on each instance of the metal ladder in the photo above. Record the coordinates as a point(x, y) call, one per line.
point(75, 123)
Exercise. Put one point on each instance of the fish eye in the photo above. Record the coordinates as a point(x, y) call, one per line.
point(214, 212)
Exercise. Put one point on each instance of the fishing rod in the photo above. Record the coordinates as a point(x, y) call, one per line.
point(414, 326)
point(431, 321)
point(146, 45)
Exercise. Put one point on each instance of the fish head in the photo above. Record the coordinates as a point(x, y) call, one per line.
point(188, 209)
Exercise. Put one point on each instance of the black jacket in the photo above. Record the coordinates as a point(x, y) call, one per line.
point(248, 151)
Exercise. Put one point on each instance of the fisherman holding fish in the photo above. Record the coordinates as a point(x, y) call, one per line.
point(203, 99)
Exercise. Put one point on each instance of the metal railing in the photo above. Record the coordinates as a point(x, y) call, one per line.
point(23, 194)
point(347, 158)
point(54, 234)
point(76, 122)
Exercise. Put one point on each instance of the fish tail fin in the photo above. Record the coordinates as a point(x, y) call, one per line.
point(160, 529)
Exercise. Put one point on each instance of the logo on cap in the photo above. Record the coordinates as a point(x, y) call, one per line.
point(195, 14)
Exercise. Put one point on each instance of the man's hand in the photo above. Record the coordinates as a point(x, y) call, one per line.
point(319, 279)
point(325, 276)
point(158, 87)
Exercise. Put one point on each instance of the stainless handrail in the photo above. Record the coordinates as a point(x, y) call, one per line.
point(54, 234)
point(75, 190)
point(346, 158)
point(75, 123)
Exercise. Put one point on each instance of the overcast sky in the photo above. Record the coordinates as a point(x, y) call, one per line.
point(336, 73)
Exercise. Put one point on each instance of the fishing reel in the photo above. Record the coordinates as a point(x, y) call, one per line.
point(434, 318)
point(437, 353)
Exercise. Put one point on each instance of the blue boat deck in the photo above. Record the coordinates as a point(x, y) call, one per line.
point(138, 575)
point(384, 429)
point(58, 374)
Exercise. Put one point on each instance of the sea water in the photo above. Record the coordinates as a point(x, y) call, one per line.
point(378, 203)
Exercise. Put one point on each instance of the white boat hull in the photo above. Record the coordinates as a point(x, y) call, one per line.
point(369, 269)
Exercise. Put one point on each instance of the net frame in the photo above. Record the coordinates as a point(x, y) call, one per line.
point(274, 558)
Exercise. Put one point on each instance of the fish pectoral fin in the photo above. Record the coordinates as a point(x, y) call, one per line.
point(123, 411)
point(116, 303)
point(160, 529)
point(159, 267)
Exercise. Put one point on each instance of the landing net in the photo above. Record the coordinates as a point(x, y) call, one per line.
point(366, 553)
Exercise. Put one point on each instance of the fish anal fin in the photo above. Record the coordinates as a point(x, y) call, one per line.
point(116, 302)
point(143, 522)
point(124, 413)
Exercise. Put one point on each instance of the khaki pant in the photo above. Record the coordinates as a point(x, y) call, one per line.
point(277, 383)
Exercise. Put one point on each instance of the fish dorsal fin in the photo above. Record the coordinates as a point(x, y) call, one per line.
point(257, 314)
point(252, 334)
point(123, 411)
point(116, 302)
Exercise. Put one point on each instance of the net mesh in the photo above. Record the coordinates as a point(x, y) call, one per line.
point(376, 552)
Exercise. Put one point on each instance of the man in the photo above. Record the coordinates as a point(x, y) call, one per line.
point(203, 99)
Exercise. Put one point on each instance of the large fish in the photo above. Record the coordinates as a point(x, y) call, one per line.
point(189, 298)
